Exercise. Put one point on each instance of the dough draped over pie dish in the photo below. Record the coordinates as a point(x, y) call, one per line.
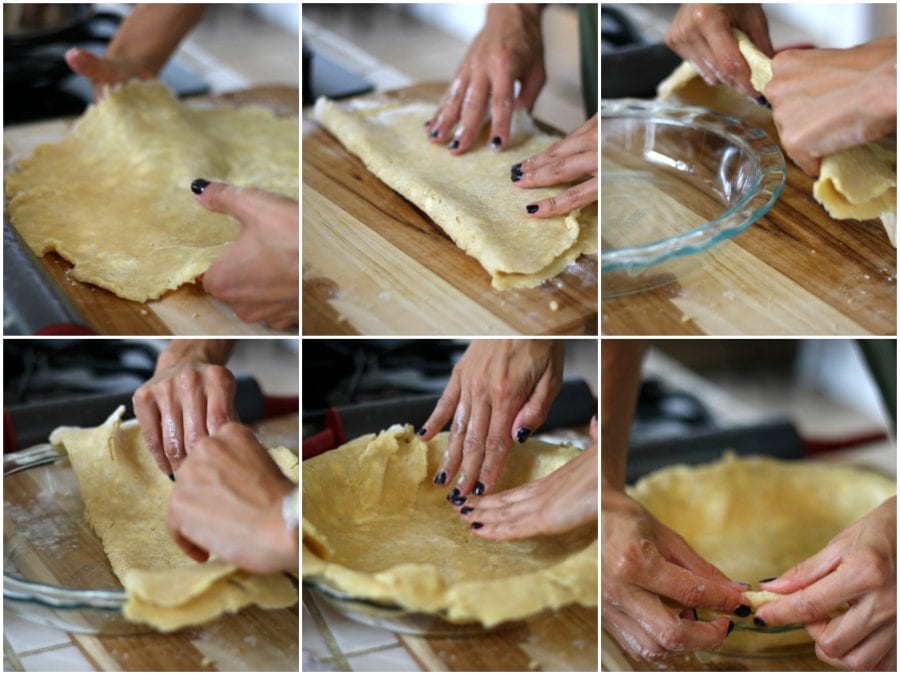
point(468, 196)
point(125, 497)
point(756, 517)
point(858, 183)
point(113, 196)
point(375, 527)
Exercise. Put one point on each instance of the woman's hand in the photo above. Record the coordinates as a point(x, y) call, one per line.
point(228, 501)
point(825, 100)
point(508, 48)
point(701, 34)
point(648, 568)
point(259, 274)
point(859, 567)
point(569, 159)
point(103, 71)
point(499, 391)
point(190, 395)
point(558, 502)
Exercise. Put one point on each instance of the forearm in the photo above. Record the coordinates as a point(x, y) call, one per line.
point(195, 351)
point(500, 14)
point(620, 378)
point(151, 33)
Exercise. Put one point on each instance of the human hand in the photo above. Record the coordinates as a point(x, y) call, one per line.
point(228, 501)
point(189, 396)
point(826, 100)
point(556, 503)
point(647, 568)
point(508, 48)
point(258, 275)
point(702, 34)
point(859, 567)
point(499, 390)
point(568, 159)
point(103, 71)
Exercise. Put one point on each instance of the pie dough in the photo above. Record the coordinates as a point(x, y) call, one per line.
point(375, 527)
point(113, 197)
point(125, 497)
point(756, 517)
point(469, 196)
point(858, 182)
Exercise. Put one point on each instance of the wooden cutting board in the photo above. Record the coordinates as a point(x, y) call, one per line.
point(615, 660)
point(561, 641)
point(796, 271)
point(60, 547)
point(188, 310)
point(374, 264)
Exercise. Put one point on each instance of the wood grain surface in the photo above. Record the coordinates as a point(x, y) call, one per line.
point(796, 271)
point(43, 515)
point(188, 310)
point(374, 264)
point(561, 641)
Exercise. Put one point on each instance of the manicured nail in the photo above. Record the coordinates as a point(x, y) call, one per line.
point(199, 185)
point(454, 144)
point(477, 526)
point(172, 477)
point(516, 177)
point(761, 100)
point(458, 501)
point(454, 493)
point(765, 581)
point(466, 510)
point(495, 142)
point(516, 168)
point(516, 172)
point(440, 478)
point(730, 628)
point(532, 208)
point(742, 610)
point(434, 133)
point(479, 489)
point(742, 583)
point(759, 622)
point(522, 434)
point(422, 431)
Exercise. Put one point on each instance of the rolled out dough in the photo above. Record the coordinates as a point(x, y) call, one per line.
point(113, 196)
point(756, 517)
point(858, 182)
point(470, 196)
point(374, 526)
point(125, 497)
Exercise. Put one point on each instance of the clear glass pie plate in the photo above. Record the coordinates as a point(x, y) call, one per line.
point(675, 182)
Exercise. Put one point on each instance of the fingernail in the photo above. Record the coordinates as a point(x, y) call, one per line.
point(495, 142)
point(458, 501)
point(454, 144)
point(532, 208)
point(522, 433)
point(765, 581)
point(440, 478)
point(466, 510)
point(422, 431)
point(199, 185)
point(516, 177)
point(428, 123)
point(477, 526)
point(479, 489)
point(761, 100)
point(172, 477)
point(742, 610)
point(759, 622)
point(434, 133)
point(516, 172)
point(730, 628)
point(516, 168)
point(742, 583)
point(454, 493)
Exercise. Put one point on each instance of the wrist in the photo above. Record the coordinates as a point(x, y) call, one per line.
point(193, 351)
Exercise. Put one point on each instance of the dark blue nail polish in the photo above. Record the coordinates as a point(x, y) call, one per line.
point(532, 208)
point(522, 434)
point(516, 177)
point(479, 489)
point(199, 185)
point(477, 526)
point(466, 510)
point(742, 610)
point(516, 168)
point(422, 431)
point(454, 493)
point(434, 133)
point(730, 628)
point(759, 622)
point(440, 478)
point(454, 144)
point(767, 580)
point(495, 142)
point(172, 477)
point(458, 501)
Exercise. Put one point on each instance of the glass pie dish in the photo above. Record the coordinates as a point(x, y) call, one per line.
point(55, 571)
point(675, 182)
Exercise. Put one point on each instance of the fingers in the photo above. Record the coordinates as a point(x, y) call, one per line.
point(172, 430)
point(501, 113)
point(147, 414)
point(456, 438)
point(220, 390)
point(573, 198)
point(531, 87)
point(805, 572)
point(443, 411)
point(867, 655)
point(474, 104)
point(677, 550)
point(496, 448)
point(534, 411)
point(730, 62)
point(814, 602)
point(447, 115)
point(245, 204)
point(91, 66)
point(690, 590)
point(473, 449)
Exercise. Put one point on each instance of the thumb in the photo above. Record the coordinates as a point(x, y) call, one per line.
point(806, 572)
point(221, 198)
point(90, 66)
